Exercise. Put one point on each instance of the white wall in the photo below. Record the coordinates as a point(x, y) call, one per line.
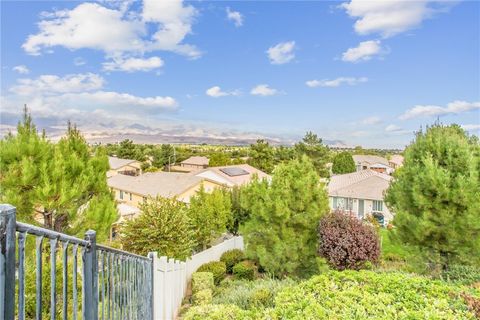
point(170, 277)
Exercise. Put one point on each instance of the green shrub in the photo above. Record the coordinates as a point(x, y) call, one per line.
point(218, 312)
point(218, 269)
point(462, 274)
point(231, 258)
point(202, 297)
point(370, 295)
point(249, 295)
point(202, 281)
point(244, 270)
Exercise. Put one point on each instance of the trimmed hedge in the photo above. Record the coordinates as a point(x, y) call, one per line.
point(231, 258)
point(202, 297)
point(369, 295)
point(218, 312)
point(217, 268)
point(202, 281)
point(244, 270)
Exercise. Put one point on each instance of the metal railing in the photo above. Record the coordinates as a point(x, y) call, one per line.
point(114, 284)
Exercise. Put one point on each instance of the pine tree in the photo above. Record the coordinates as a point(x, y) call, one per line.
point(343, 163)
point(281, 233)
point(312, 146)
point(163, 227)
point(210, 214)
point(262, 156)
point(435, 196)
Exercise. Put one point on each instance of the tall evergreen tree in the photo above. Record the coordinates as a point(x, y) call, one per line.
point(435, 196)
point(261, 156)
point(281, 232)
point(312, 146)
point(343, 163)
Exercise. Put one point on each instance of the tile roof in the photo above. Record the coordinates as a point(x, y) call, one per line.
point(364, 184)
point(164, 184)
point(397, 159)
point(116, 163)
point(370, 159)
point(239, 180)
point(198, 161)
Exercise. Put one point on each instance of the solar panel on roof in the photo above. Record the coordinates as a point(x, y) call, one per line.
point(234, 171)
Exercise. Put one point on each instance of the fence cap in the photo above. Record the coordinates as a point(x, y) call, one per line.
point(6, 209)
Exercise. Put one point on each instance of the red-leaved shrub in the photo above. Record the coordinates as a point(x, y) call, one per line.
point(347, 242)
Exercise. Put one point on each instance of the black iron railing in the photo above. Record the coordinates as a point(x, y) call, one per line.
point(114, 284)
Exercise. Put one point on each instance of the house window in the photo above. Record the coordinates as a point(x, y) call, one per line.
point(334, 202)
point(121, 195)
point(348, 204)
point(377, 206)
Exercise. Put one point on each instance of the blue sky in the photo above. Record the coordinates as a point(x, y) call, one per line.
point(366, 73)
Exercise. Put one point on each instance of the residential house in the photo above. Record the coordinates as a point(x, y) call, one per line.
point(233, 175)
point(123, 166)
point(195, 163)
point(396, 161)
point(376, 163)
point(361, 193)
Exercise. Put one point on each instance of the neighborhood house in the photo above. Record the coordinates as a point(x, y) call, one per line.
point(376, 163)
point(123, 166)
point(396, 161)
point(230, 176)
point(195, 163)
point(361, 193)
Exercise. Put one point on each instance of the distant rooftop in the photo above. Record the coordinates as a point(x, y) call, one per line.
point(370, 159)
point(197, 161)
point(116, 163)
point(234, 175)
point(364, 184)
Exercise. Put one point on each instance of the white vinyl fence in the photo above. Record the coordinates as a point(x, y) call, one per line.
point(170, 277)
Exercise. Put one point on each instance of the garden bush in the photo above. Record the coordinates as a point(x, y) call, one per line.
point(244, 270)
point(347, 242)
point(369, 295)
point(462, 274)
point(217, 268)
point(202, 297)
point(218, 312)
point(231, 258)
point(249, 295)
point(202, 281)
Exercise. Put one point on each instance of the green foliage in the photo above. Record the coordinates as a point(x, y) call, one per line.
point(128, 150)
point(244, 270)
point(262, 156)
point(231, 258)
point(202, 281)
point(313, 148)
point(202, 297)
point(343, 163)
point(210, 214)
point(163, 156)
point(370, 295)
point(218, 159)
point(218, 312)
point(64, 183)
point(249, 295)
point(239, 213)
point(281, 231)
point(163, 227)
point(217, 268)
point(435, 196)
point(461, 274)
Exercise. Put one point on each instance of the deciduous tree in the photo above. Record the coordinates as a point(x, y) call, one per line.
point(343, 163)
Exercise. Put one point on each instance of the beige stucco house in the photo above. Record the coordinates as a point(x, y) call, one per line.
point(396, 161)
point(124, 167)
point(195, 163)
point(376, 163)
point(361, 193)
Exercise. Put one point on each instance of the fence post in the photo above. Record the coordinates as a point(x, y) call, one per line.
point(90, 276)
point(155, 286)
point(7, 261)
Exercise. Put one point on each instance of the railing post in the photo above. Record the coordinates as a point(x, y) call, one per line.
point(7, 261)
point(90, 278)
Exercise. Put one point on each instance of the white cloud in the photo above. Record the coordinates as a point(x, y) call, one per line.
point(392, 128)
point(454, 107)
point(371, 120)
point(391, 17)
point(364, 51)
point(117, 31)
point(282, 52)
point(22, 69)
point(263, 90)
point(79, 61)
point(133, 64)
point(52, 84)
point(471, 127)
point(336, 82)
point(217, 92)
point(235, 16)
